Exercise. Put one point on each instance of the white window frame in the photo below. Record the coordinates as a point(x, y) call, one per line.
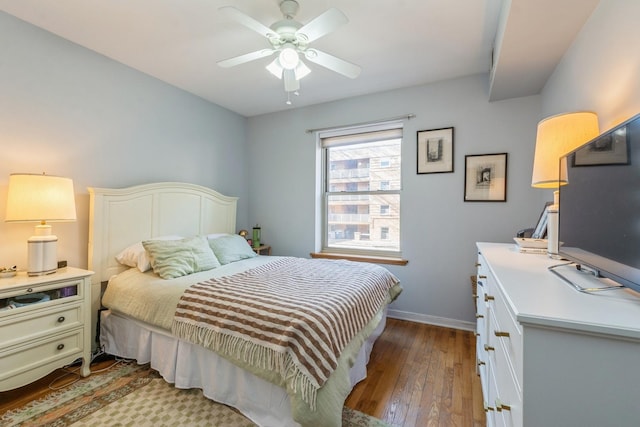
point(345, 136)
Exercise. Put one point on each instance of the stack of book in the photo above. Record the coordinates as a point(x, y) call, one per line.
point(531, 245)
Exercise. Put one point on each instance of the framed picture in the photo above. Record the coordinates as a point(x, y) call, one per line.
point(540, 232)
point(485, 178)
point(610, 149)
point(435, 150)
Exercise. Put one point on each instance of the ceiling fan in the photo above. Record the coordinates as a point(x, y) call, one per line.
point(290, 40)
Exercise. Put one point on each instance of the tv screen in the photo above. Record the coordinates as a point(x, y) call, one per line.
point(599, 216)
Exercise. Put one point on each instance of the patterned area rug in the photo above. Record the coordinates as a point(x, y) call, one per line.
point(134, 395)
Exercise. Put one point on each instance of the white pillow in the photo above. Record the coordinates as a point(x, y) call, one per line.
point(136, 256)
point(216, 235)
point(231, 248)
point(176, 258)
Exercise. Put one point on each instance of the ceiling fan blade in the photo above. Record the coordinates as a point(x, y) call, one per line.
point(247, 21)
point(333, 63)
point(232, 62)
point(323, 24)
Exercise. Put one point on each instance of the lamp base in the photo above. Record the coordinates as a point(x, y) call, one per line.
point(552, 232)
point(42, 255)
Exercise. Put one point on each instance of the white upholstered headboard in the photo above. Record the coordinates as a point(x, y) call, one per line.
point(122, 216)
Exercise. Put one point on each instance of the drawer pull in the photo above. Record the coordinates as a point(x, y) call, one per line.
point(489, 298)
point(488, 408)
point(501, 334)
point(61, 319)
point(487, 347)
point(480, 363)
point(502, 407)
point(479, 316)
point(475, 296)
point(30, 290)
point(481, 276)
point(478, 264)
point(60, 346)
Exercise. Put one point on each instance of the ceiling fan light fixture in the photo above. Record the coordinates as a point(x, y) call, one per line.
point(288, 57)
point(301, 70)
point(291, 84)
point(289, 39)
point(275, 68)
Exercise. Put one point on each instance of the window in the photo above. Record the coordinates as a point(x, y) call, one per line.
point(384, 233)
point(361, 185)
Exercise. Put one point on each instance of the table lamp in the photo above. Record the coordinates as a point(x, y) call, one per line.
point(556, 136)
point(40, 198)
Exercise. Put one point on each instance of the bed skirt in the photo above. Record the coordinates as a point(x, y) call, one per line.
point(188, 365)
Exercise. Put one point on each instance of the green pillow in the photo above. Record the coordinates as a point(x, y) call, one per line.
point(231, 248)
point(175, 258)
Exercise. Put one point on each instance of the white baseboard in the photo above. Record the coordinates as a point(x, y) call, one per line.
point(432, 320)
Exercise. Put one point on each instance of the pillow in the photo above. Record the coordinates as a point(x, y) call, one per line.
point(175, 258)
point(136, 256)
point(231, 248)
point(216, 235)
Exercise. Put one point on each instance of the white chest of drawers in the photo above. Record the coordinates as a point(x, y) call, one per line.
point(549, 355)
point(45, 323)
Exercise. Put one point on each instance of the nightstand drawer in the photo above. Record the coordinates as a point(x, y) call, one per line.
point(18, 359)
point(45, 323)
point(24, 295)
point(29, 325)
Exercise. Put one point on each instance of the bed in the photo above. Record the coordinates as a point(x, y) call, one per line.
point(290, 374)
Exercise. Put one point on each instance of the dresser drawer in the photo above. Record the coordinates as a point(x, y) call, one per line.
point(507, 400)
point(22, 358)
point(28, 325)
point(505, 330)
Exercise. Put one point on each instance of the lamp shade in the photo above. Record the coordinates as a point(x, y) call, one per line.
point(40, 198)
point(557, 136)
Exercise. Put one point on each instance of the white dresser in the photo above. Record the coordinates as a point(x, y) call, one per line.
point(45, 323)
point(549, 355)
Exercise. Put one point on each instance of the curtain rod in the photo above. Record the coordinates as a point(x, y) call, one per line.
point(406, 116)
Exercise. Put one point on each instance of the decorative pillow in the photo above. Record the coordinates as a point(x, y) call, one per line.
point(175, 258)
point(136, 256)
point(231, 248)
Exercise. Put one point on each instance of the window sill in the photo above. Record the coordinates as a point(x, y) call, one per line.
point(360, 258)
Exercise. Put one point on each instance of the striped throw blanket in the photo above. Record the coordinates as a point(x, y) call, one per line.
point(292, 316)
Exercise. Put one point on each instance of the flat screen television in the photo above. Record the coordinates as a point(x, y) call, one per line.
point(599, 216)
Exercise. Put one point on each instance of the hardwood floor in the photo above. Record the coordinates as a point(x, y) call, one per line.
point(419, 375)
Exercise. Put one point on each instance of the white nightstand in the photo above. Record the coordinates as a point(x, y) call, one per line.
point(45, 323)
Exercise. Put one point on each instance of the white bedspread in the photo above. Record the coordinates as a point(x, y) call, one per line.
point(150, 299)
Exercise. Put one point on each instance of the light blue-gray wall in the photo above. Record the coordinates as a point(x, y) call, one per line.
point(601, 70)
point(66, 110)
point(438, 228)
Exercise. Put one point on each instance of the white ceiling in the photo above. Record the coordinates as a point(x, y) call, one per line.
point(398, 43)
